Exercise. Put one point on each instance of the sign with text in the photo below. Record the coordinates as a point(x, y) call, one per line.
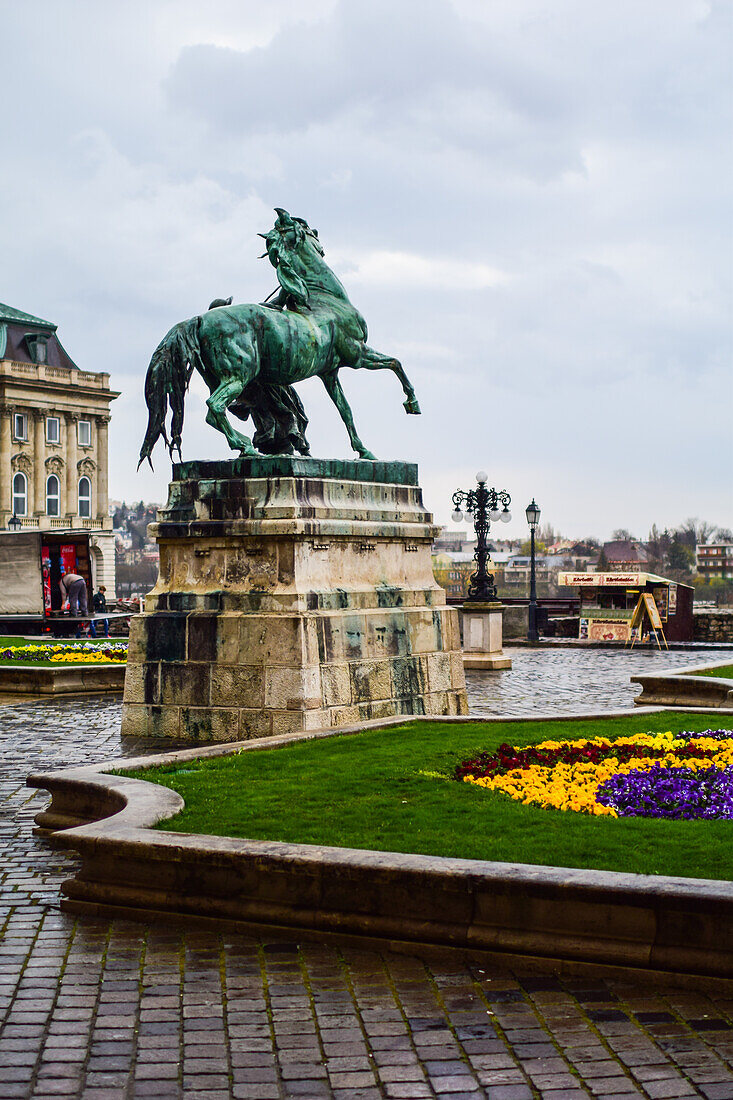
point(609, 630)
point(647, 606)
point(672, 602)
point(601, 580)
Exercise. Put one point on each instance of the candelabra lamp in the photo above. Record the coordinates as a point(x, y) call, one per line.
point(484, 505)
point(482, 612)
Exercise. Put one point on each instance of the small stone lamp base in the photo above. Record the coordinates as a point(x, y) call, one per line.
point(482, 636)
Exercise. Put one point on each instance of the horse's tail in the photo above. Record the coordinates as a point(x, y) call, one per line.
point(166, 383)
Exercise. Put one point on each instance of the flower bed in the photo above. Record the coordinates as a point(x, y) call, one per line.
point(683, 775)
point(83, 653)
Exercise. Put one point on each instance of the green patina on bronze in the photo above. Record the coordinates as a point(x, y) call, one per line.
point(250, 355)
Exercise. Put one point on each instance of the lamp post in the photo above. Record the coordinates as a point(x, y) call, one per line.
point(14, 524)
point(483, 504)
point(533, 518)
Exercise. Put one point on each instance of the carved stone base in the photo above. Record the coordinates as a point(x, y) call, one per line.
point(294, 594)
point(482, 640)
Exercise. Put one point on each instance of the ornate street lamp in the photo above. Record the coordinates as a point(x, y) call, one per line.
point(14, 524)
point(532, 513)
point(483, 504)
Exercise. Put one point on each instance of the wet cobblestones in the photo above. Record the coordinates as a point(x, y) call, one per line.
point(569, 681)
point(109, 1010)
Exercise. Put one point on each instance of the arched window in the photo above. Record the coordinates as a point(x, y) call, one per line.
point(85, 497)
point(20, 495)
point(53, 502)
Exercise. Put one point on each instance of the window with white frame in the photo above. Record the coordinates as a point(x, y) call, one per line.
point(53, 429)
point(85, 497)
point(20, 495)
point(53, 495)
point(20, 426)
point(84, 433)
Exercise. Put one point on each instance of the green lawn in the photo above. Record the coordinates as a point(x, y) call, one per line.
point(389, 790)
point(726, 671)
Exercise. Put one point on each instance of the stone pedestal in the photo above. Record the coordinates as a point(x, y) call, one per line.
point(294, 594)
point(482, 642)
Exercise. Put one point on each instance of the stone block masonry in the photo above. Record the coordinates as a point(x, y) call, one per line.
point(714, 626)
point(294, 594)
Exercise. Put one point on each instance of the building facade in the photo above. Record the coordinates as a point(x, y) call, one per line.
point(714, 559)
point(54, 421)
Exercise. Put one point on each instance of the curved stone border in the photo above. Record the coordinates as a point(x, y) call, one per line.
point(671, 925)
point(684, 689)
point(64, 680)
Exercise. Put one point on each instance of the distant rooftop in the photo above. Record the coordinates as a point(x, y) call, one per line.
point(625, 551)
point(18, 317)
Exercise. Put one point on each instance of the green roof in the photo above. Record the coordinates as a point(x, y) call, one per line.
point(16, 316)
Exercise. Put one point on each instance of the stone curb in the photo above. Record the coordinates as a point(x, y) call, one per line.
point(660, 924)
point(64, 680)
point(684, 689)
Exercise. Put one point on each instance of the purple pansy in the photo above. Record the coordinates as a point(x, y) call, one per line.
point(671, 792)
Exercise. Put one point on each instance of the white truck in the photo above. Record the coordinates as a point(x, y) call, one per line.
point(31, 566)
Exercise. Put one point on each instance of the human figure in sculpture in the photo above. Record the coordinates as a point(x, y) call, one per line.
point(250, 355)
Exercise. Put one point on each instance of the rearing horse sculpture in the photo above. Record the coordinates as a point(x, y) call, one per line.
point(250, 355)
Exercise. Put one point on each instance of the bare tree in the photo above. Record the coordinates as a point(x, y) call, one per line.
point(694, 531)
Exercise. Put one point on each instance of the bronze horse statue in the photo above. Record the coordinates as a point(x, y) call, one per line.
point(250, 355)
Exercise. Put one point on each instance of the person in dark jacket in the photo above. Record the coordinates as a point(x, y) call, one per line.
point(99, 605)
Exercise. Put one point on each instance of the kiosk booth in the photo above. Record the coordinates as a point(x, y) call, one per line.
point(617, 607)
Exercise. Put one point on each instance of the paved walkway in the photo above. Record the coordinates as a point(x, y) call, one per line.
point(568, 681)
point(109, 1010)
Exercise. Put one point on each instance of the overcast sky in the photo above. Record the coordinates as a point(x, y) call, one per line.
point(529, 201)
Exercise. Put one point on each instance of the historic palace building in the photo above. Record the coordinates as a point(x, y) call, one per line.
point(53, 438)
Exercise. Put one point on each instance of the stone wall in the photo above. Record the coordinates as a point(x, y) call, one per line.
point(516, 621)
point(713, 626)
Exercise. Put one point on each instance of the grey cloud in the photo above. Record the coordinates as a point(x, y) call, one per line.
point(581, 149)
point(376, 64)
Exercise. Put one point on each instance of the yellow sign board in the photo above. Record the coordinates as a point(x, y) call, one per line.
point(652, 610)
point(647, 606)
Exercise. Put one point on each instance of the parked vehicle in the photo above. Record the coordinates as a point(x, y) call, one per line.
point(31, 565)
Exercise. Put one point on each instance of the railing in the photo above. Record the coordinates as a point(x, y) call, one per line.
point(29, 521)
point(59, 523)
point(43, 371)
point(92, 524)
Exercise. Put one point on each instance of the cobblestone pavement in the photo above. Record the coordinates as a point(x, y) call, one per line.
point(111, 1010)
point(572, 680)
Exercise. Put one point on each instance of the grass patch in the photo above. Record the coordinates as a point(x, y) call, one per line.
point(725, 671)
point(389, 790)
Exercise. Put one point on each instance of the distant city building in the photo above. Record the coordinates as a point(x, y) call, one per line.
point(625, 554)
point(715, 559)
point(517, 569)
point(53, 438)
point(567, 554)
point(137, 553)
point(450, 542)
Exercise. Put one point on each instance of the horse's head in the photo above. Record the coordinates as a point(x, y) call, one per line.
point(296, 253)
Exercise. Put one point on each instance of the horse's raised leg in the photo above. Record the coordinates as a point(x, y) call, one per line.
point(337, 395)
point(374, 360)
point(217, 404)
